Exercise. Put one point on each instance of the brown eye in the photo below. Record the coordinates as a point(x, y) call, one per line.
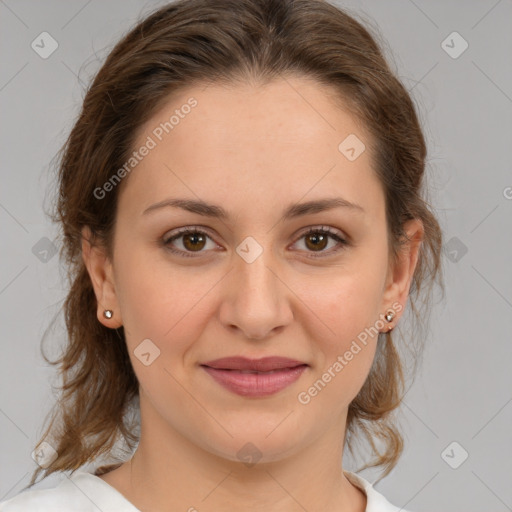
point(316, 240)
point(194, 241)
point(191, 241)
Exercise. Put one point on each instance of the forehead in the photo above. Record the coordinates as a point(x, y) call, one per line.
point(256, 141)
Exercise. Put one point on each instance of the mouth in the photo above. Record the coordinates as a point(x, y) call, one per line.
point(255, 377)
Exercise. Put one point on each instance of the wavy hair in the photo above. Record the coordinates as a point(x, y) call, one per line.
point(190, 42)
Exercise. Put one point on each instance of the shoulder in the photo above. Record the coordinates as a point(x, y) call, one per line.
point(375, 501)
point(83, 491)
point(57, 499)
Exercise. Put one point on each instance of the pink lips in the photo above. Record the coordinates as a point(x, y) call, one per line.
point(255, 377)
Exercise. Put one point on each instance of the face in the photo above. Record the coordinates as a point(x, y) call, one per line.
point(261, 281)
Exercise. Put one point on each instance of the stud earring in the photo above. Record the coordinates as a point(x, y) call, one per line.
point(390, 315)
point(108, 313)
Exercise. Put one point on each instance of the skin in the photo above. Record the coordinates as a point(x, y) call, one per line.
point(253, 150)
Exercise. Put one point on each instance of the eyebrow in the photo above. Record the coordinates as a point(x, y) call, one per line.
point(292, 211)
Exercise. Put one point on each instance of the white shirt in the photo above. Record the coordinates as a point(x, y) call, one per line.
point(85, 492)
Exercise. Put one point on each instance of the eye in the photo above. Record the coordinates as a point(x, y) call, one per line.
point(193, 240)
point(317, 239)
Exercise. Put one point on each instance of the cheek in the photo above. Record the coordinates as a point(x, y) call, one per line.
point(162, 306)
point(169, 312)
point(344, 358)
point(348, 306)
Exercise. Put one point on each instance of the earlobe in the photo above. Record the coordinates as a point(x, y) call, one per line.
point(100, 271)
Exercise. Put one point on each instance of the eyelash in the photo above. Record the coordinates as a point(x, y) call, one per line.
point(191, 230)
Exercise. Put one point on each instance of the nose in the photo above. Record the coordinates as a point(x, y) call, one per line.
point(257, 302)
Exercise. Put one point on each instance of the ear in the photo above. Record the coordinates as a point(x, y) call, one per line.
point(400, 273)
point(101, 273)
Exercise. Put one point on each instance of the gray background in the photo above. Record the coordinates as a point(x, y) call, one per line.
point(463, 392)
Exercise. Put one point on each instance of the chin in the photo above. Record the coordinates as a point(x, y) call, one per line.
point(255, 446)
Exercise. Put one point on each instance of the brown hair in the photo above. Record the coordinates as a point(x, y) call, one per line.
point(198, 41)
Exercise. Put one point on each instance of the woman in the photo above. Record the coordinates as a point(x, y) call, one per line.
point(243, 223)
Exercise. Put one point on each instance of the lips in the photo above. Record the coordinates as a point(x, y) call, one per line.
point(243, 364)
point(255, 378)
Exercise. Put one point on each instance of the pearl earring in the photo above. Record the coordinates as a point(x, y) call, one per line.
point(108, 313)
